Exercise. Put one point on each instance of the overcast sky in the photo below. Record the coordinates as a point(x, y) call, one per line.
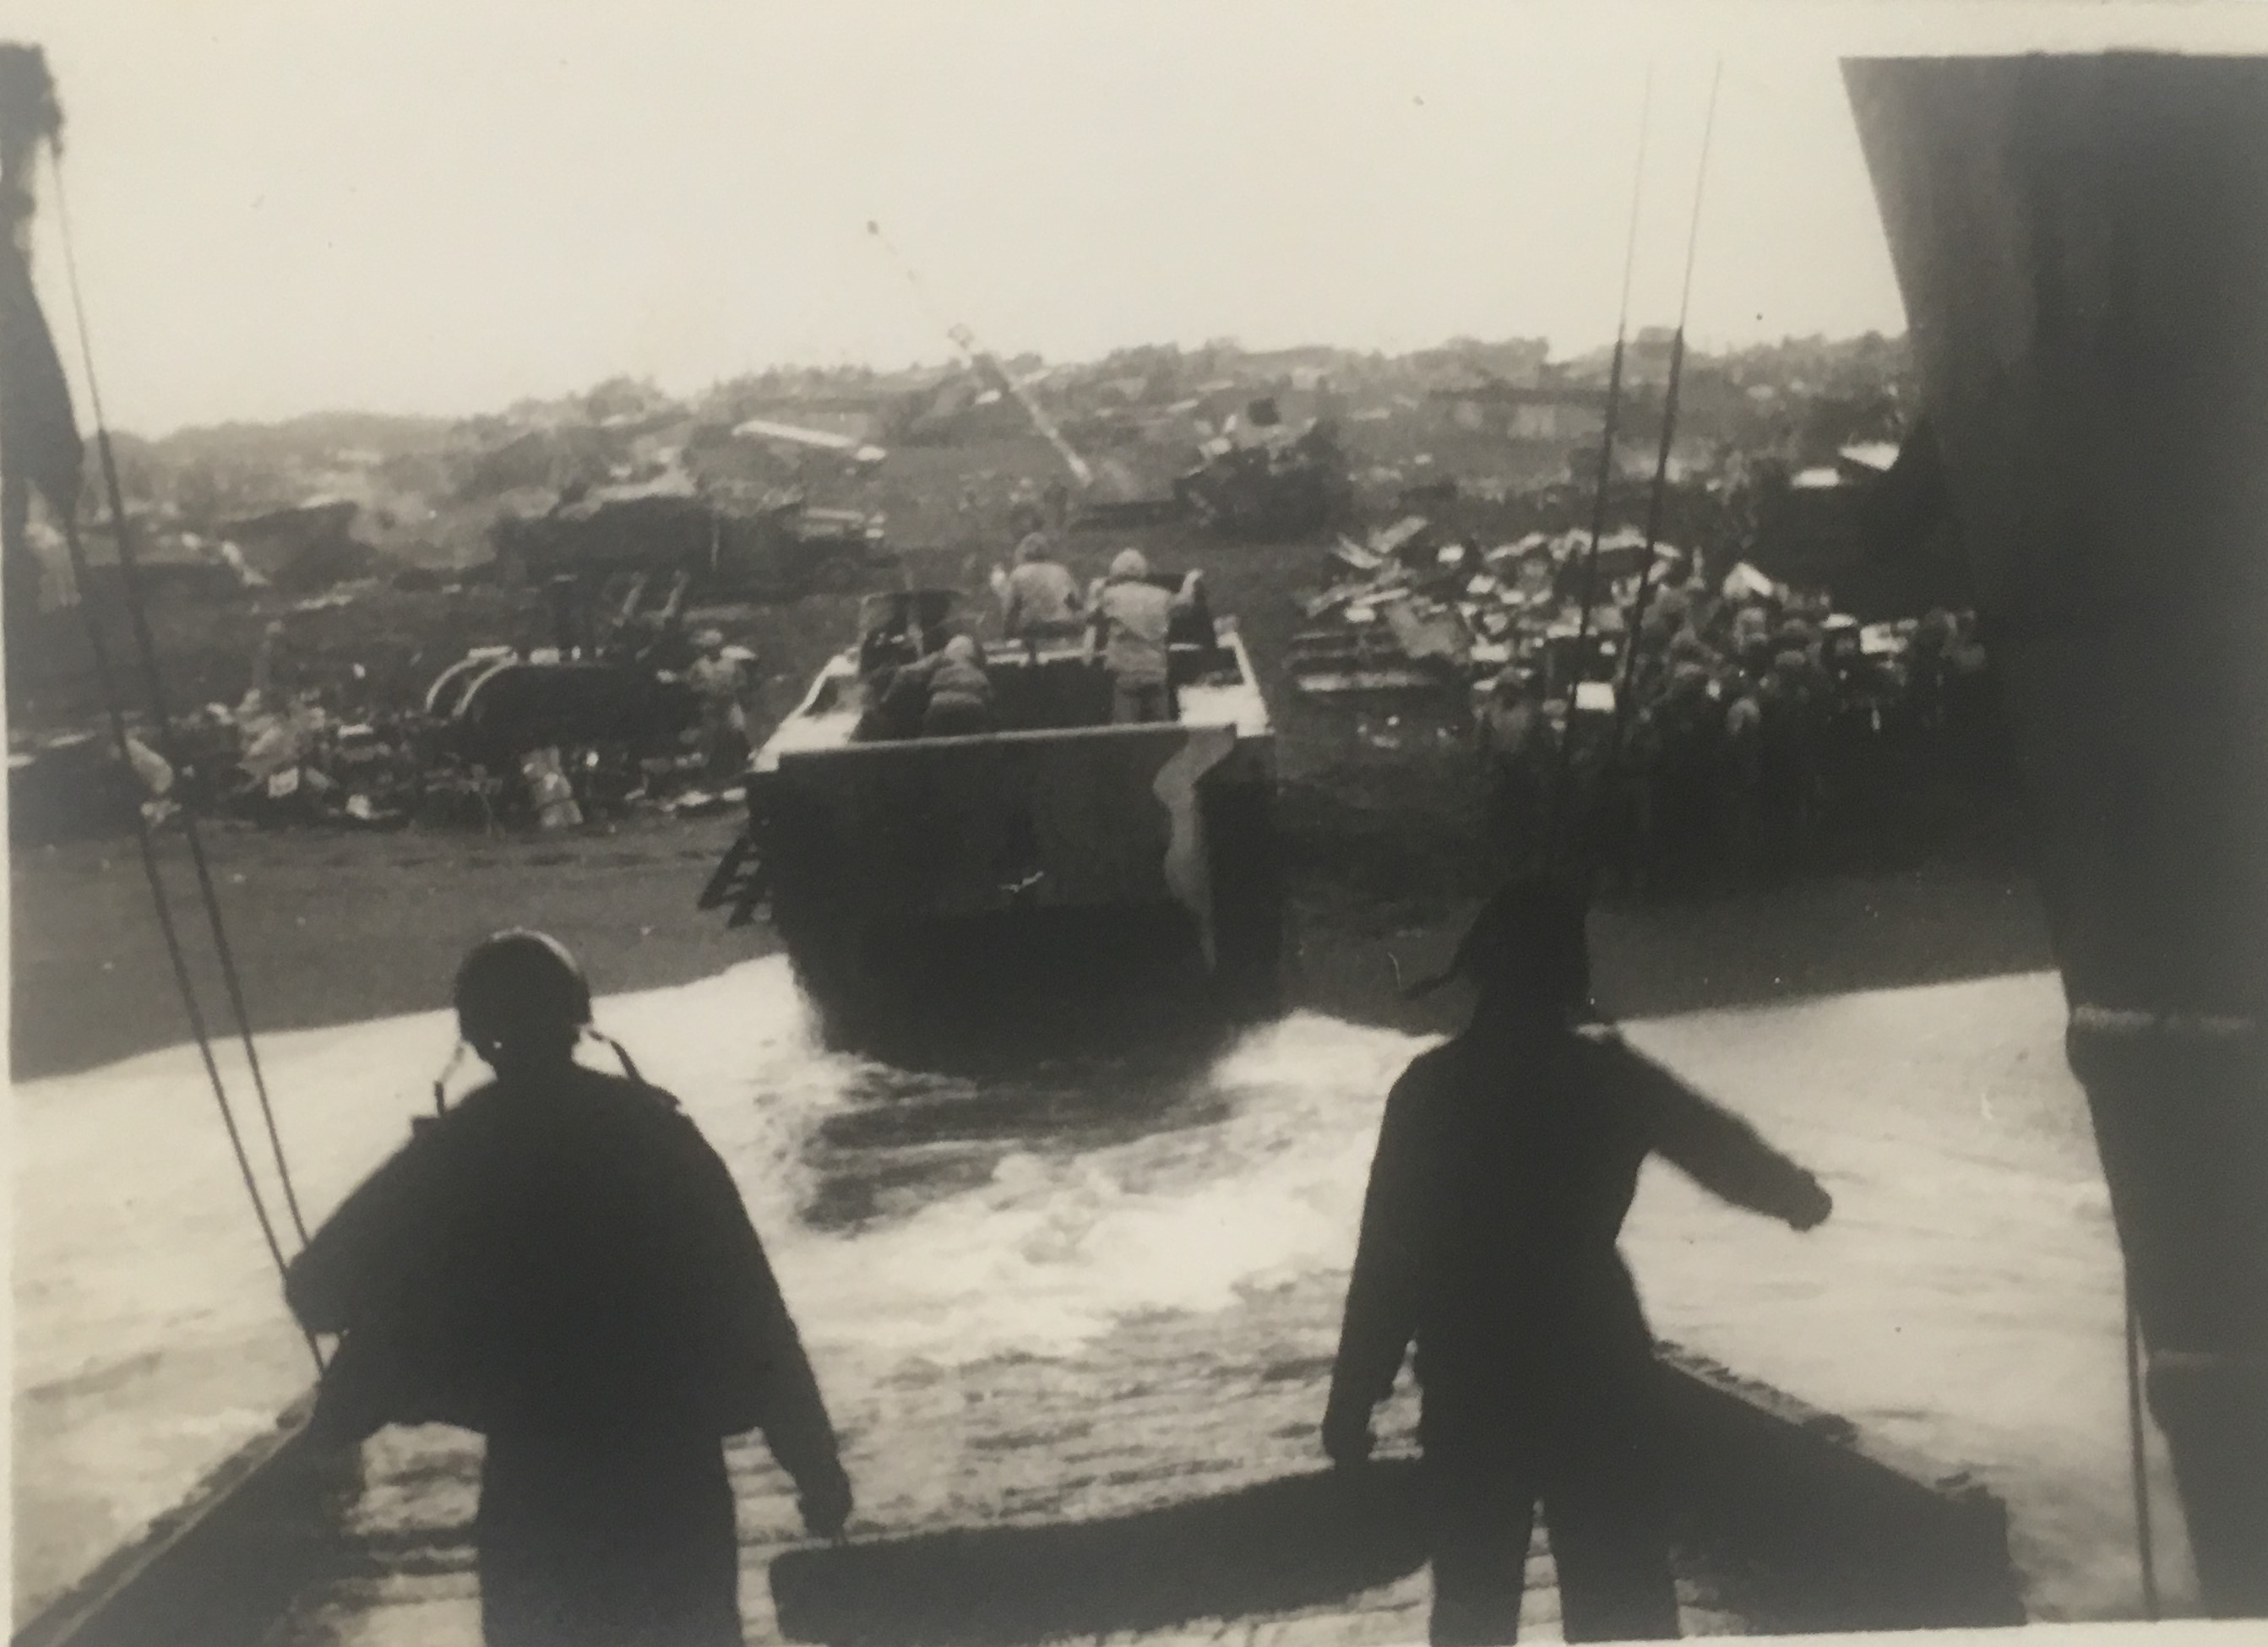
point(443, 207)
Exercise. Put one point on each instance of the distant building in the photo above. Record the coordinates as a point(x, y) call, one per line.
point(1518, 361)
point(1283, 362)
point(169, 564)
point(1556, 414)
point(1544, 413)
point(1645, 358)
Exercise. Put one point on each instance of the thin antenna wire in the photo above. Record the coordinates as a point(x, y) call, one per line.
point(987, 366)
point(108, 682)
point(1669, 399)
point(954, 332)
point(1638, 193)
point(1560, 776)
point(146, 646)
point(1700, 185)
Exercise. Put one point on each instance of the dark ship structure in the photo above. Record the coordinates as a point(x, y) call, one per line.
point(2083, 243)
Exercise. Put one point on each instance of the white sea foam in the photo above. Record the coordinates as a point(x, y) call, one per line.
point(146, 1302)
point(1963, 1302)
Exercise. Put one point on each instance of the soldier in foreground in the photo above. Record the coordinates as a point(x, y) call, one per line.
point(563, 1264)
point(1505, 1163)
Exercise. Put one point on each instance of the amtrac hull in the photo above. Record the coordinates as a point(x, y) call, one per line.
point(921, 884)
point(1047, 881)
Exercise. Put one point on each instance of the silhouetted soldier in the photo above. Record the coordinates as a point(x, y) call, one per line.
point(562, 1263)
point(1505, 1163)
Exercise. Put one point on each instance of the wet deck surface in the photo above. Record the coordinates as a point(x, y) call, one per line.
point(1097, 1294)
point(1014, 1467)
point(1004, 1453)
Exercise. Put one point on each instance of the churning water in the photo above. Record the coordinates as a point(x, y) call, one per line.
point(946, 1219)
point(1962, 1303)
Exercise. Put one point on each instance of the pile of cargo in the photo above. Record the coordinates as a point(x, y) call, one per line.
point(1410, 611)
point(1759, 724)
point(504, 739)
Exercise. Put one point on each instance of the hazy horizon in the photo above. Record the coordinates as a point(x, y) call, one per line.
point(941, 361)
point(434, 211)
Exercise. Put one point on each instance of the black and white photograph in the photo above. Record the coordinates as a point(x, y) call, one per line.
point(979, 826)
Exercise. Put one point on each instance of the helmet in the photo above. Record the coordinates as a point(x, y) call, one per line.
point(518, 986)
point(1531, 933)
point(1129, 563)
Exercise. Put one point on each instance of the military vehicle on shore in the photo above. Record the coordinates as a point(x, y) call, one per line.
point(1041, 865)
point(774, 548)
point(1273, 486)
point(496, 704)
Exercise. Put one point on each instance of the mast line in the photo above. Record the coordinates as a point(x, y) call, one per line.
point(1590, 587)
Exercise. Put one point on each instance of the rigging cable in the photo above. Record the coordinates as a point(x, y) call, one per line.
point(2138, 1459)
point(1669, 398)
point(160, 709)
point(106, 680)
point(1560, 775)
point(1670, 407)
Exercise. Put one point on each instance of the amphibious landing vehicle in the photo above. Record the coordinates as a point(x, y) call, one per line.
point(1057, 866)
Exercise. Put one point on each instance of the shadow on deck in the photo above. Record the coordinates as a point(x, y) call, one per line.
point(1298, 1542)
point(1788, 1524)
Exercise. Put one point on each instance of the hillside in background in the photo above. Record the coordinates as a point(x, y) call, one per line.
point(427, 490)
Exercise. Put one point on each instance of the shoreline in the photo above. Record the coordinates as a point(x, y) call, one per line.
point(333, 930)
point(1015, 1242)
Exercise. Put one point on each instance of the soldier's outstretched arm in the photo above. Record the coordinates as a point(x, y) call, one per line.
point(1715, 1148)
point(1381, 1303)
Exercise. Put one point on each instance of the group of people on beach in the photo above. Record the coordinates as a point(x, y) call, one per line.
point(1757, 739)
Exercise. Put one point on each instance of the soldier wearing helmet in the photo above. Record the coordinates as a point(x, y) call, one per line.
point(560, 1263)
point(1132, 618)
point(720, 677)
point(1507, 1160)
point(1038, 599)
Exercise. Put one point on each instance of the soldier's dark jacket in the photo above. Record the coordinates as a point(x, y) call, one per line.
point(565, 1258)
point(563, 1264)
point(1505, 1167)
